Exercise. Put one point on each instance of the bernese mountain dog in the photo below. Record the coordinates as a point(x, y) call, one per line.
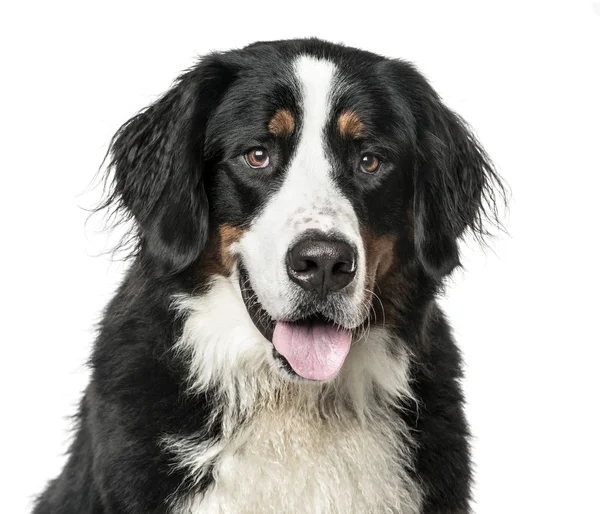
point(276, 345)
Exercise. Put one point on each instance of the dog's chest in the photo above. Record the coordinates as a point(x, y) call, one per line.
point(299, 465)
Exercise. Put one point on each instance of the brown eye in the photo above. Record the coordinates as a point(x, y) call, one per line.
point(257, 158)
point(369, 163)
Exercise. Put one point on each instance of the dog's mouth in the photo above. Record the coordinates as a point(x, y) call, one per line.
point(312, 346)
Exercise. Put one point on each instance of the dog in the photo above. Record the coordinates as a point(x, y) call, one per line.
point(276, 345)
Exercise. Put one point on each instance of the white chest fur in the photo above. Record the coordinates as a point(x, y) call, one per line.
point(286, 447)
point(284, 462)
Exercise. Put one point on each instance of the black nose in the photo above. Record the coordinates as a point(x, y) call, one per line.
point(321, 265)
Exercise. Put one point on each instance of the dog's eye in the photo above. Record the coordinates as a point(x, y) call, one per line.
point(369, 163)
point(257, 158)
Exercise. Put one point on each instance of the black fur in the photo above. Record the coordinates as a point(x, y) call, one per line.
point(177, 174)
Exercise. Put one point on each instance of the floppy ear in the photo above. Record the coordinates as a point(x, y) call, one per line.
point(454, 186)
point(157, 158)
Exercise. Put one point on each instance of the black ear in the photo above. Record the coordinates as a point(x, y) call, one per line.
point(454, 186)
point(157, 159)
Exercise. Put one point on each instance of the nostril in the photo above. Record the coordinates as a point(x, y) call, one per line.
point(310, 265)
point(342, 267)
point(299, 264)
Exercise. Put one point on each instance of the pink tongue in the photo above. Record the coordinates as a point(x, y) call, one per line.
point(314, 350)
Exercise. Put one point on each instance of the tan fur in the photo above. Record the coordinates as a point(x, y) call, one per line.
point(379, 253)
point(282, 123)
point(218, 258)
point(350, 125)
point(386, 285)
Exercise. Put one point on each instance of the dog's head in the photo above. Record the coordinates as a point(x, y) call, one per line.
point(309, 172)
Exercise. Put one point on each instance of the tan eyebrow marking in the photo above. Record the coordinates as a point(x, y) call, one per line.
point(282, 123)
point(350, 125)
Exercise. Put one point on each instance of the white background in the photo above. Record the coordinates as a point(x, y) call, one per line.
point(525, 75)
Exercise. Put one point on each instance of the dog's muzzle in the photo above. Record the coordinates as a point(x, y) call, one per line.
point(313, 339)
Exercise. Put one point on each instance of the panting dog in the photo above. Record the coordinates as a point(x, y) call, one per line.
point(276, 345)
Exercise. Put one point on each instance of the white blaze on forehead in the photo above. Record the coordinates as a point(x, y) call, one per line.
point(307, 200)
point(316, 78)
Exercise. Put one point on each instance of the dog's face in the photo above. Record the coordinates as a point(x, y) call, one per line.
point(309, 172)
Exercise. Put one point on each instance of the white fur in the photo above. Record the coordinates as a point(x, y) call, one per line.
point(289, 447)
point(308, 199)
